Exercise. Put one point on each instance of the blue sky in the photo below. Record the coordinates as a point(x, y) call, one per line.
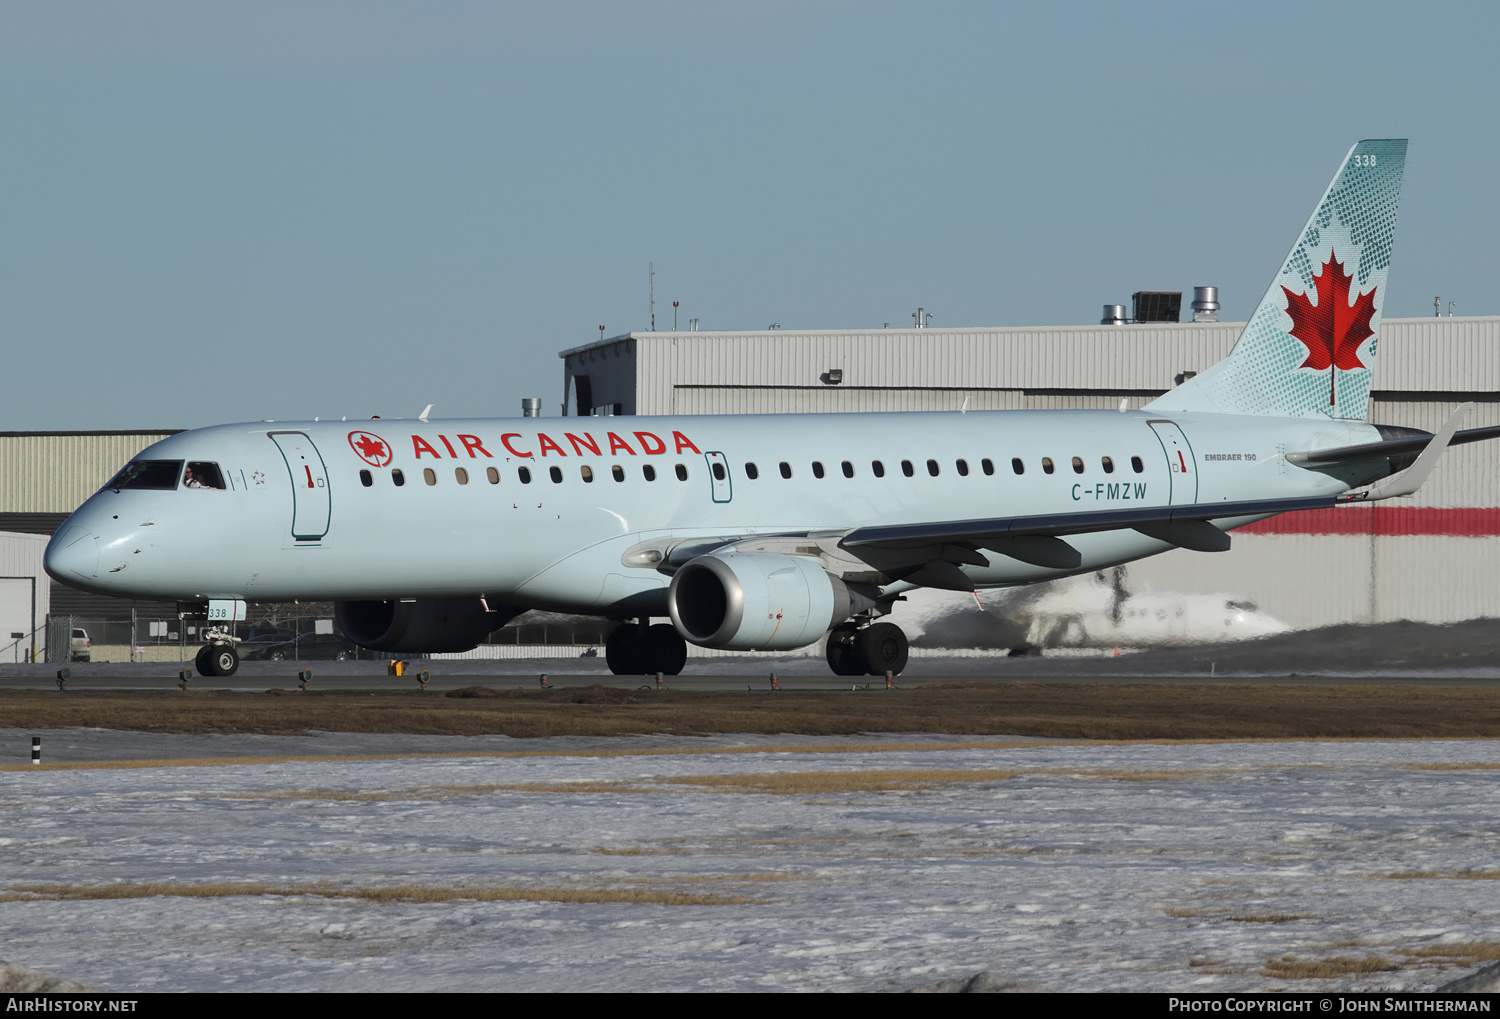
point(234, 211)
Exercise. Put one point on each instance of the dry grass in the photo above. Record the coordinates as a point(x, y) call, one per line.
point(1461, 953)
point(794, 783)
point(1458, 953)
point(1088, 711)
point(1191, 913)
point(1289, 967)
point(399, 893)
point(1472, 766)
point(1434, 875)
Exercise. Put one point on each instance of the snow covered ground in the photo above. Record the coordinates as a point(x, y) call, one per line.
point(1109, 867)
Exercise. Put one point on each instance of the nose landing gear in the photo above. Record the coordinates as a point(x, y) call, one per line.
point(218, 657)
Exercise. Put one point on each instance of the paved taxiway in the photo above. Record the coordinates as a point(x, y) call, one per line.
point(799, 673)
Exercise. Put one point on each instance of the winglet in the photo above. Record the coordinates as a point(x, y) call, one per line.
point(1409, 480)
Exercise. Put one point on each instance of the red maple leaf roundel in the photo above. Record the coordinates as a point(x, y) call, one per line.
point(1332, 329)
point(370, 448)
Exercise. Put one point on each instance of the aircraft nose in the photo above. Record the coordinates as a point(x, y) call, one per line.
point(73, 553)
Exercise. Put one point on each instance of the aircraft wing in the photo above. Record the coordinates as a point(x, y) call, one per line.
point(1039, 539)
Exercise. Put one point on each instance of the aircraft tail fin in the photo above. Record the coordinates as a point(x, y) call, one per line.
point(1308, 349)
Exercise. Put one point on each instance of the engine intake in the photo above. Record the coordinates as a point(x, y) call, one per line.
point(425, 625)
point(748, 602)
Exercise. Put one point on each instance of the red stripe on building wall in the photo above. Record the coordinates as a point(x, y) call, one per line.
point(1385, 521)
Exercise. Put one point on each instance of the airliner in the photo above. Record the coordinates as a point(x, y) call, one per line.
point(768, 533)
point(1096, 612)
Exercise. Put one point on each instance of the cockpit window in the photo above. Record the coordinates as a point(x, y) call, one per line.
point(202, 474)
point(157, 474)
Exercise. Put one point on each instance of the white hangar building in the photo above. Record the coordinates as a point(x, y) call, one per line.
point(1434, 558)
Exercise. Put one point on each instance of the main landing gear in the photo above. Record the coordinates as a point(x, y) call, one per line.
point(217, 659)
point(871, 651)
point(633, 650)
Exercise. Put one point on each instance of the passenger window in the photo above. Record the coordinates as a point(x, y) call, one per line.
point(907, 468)
point(524, 473)
point(1017, 466)
point(429, 475)
point(817, 469)
point(932, 468)
point(397, 478)
point(1077, 465)
point(786, 469)
point(202, 474)
point(848, 469)
point(719, 472)
point(751, 471)
point(1047, 465)
point(617, 472)
point(365, 478)
point(681, 472)
point(963, 468)
point(587, 473)
point(556, 474)
point(1108, 464)
point(987, 465)
point(1136, 465)
point(460, 475)
point(877, 468)
point(493, 474)
point(648, 472)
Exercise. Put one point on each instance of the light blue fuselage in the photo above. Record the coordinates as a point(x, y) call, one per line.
point(297, 520)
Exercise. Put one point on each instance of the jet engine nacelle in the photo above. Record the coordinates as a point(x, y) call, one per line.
point(414, 627)
point(748, 602)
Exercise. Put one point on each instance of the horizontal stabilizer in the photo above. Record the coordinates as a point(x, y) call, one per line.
point(1391, 447)
point(1409, 480)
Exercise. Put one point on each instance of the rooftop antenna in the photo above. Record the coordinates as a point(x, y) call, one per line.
point(601, 334)
point(652, 266)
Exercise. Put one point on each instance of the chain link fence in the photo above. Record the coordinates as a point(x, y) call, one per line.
point(291, 637)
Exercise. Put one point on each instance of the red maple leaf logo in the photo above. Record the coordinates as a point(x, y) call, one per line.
point(1332, 329)
point(372, 449)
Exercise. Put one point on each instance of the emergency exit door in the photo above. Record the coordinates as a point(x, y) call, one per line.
point(718, 474)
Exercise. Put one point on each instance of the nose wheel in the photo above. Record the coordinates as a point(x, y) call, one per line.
point(873, 650)
point(217, 660)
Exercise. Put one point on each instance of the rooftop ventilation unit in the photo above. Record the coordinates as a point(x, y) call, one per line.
point(1205, 304)
point(1114, 315)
